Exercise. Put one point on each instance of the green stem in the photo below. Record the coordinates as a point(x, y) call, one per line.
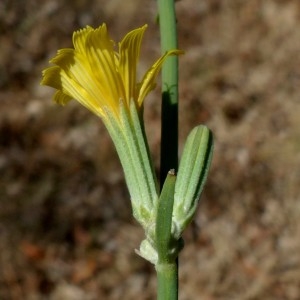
point(169, 123)
point(167, 275)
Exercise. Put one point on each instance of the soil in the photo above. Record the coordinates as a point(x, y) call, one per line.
point(66, 229)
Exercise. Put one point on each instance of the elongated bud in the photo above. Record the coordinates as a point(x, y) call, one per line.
point(191, 177)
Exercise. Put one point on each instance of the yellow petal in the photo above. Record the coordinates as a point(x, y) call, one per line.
point(101, 57)
point(51, 77)
point(76, 78)
point(80, 92)
point(148, 82)
point(79, 38)
point(129, 52)
point(97, 76)
point(61, 98)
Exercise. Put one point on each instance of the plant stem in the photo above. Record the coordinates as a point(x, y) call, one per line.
point(167, 273)
point(169, 122)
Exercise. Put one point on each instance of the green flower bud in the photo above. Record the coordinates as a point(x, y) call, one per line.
point(191, 177)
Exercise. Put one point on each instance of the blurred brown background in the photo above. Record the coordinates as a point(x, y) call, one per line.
point(66, 230)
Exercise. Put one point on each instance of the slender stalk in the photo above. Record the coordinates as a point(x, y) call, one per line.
point(169, 122)
point(167, 273)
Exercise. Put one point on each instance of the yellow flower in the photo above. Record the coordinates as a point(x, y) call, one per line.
point(99, 77)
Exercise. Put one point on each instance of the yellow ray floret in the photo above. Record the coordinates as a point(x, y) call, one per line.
point(97, 76)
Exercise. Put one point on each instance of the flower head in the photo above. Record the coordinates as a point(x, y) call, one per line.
point(99, 77)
